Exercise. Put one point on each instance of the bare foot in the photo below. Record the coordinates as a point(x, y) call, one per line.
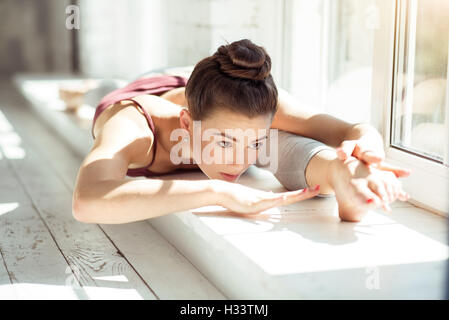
point(73, 95)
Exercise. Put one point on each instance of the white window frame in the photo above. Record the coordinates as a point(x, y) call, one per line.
point(428, 185)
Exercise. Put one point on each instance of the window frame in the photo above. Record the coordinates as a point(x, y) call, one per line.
point(428, 184)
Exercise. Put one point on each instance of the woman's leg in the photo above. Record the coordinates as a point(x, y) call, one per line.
point(293, 155)
point(88, 92)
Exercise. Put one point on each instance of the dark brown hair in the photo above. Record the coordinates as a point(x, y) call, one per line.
point(237, 78)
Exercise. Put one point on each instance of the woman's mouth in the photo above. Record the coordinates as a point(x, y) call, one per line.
point(229, 177)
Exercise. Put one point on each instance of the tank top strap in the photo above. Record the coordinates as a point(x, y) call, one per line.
point(152, 127)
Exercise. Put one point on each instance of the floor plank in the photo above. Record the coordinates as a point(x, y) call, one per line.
point(6, 288)
point(170, 275)
point(29, 252)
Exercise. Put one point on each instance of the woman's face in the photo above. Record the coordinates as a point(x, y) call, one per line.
point(225, 144)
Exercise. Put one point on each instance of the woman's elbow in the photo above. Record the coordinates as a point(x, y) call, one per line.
point(80, 210)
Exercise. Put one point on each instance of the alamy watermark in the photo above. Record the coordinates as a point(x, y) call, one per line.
point(372, 281)
point(73, 20)
point(211, 154)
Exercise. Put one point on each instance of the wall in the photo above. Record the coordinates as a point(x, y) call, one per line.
point(33, 37)
point(121, 40)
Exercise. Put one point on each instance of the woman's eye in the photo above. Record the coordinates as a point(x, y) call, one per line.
point(256, 145)
point(224, 144)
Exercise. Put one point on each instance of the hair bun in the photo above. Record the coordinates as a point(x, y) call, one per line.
point(244, 59)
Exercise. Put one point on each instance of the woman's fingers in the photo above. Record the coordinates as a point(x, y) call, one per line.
point(253, 201)
point(358, 149)
point(286, 198)
point(368, 197)
point(379, 188)
point(403, 196)
point(396, 191)
point(378, 201)
point(341, 154)
point(346, 149)
point(398, 171)
point(388, 192)
point(399, 193)
point(387, 207)
point(298, 195)
point(371, 157)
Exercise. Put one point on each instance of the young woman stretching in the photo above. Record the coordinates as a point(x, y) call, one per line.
point(232, 89)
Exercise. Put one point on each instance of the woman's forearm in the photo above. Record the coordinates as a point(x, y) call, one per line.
point(114, 201)
point(363, 131)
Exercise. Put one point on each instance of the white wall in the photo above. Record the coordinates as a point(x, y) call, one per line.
point(120, 38)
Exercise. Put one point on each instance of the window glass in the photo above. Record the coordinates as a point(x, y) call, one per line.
point(420, 106)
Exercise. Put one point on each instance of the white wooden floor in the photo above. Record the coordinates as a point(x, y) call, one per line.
point(46, 254)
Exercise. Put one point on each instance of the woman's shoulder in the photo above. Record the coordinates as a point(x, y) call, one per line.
point(125, 109)
point(168, 104)
point(175, 96)
point(125, 127)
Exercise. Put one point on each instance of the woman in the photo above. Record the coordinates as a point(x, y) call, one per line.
point(232, 89)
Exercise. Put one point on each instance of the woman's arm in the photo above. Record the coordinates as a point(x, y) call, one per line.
point(360, 140)
point(112, 201)
point(295, 117)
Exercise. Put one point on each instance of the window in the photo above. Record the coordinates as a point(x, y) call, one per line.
point(329, 55)
point(420, 101)
point(382, 62)
point(410, 88)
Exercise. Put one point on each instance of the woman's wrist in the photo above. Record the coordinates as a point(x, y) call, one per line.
point(360, 130)
point(217, 191)
point(367, 133)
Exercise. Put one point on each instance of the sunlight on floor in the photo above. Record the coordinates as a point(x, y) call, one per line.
point(9, 140)
point(39, 291)
point(286, 251)
point(118, 278)
point(8, 207)
point(282, 241)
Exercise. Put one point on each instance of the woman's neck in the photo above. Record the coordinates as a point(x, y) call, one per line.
point(164, 129)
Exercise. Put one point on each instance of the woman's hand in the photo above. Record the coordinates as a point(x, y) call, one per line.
point(359, 187)
point(245, 200)
point(368, 149)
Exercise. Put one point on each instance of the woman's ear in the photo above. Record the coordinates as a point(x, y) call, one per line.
point(185, 119)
